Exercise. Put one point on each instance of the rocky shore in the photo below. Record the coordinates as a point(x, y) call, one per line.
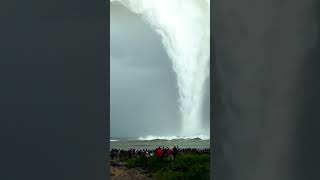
point(119, 171)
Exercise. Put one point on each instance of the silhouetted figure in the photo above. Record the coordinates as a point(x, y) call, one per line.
point(112, 154)
point(129, 153)
point(175, 152)
point(164, 152)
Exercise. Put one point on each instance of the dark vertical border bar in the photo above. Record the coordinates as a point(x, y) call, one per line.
point(54, 89)
point(212, 92)
point(266, 90)
point(108, 87)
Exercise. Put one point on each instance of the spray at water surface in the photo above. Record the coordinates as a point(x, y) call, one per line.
point(184, 26)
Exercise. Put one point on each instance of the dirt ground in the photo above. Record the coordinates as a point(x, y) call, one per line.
point(118, 171)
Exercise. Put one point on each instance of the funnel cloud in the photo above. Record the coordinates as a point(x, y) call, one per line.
point(184, 29)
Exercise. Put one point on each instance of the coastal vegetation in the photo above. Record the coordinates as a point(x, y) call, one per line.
point(185, 166)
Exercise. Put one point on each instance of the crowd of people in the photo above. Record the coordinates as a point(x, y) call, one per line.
point(161, 153)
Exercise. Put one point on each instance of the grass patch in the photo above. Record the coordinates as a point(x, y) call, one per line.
point(185, 166)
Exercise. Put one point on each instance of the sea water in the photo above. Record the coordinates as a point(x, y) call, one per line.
point(136, 143)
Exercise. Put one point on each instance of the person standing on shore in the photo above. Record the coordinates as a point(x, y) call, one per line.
point(112, 154)
point(164, 152)
point(175, 152)
point(170, 154)
point(130, 153)
point(159, 153)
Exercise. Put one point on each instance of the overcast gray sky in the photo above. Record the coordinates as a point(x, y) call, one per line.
point(143, 90)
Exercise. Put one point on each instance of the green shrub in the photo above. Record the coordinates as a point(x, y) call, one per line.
point(184, 167)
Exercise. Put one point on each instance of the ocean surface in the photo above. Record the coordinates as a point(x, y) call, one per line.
point(149, 143)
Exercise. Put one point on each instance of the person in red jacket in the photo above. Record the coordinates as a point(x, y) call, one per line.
point(159, 153)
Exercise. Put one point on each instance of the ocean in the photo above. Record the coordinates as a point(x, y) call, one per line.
point(140, 143)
